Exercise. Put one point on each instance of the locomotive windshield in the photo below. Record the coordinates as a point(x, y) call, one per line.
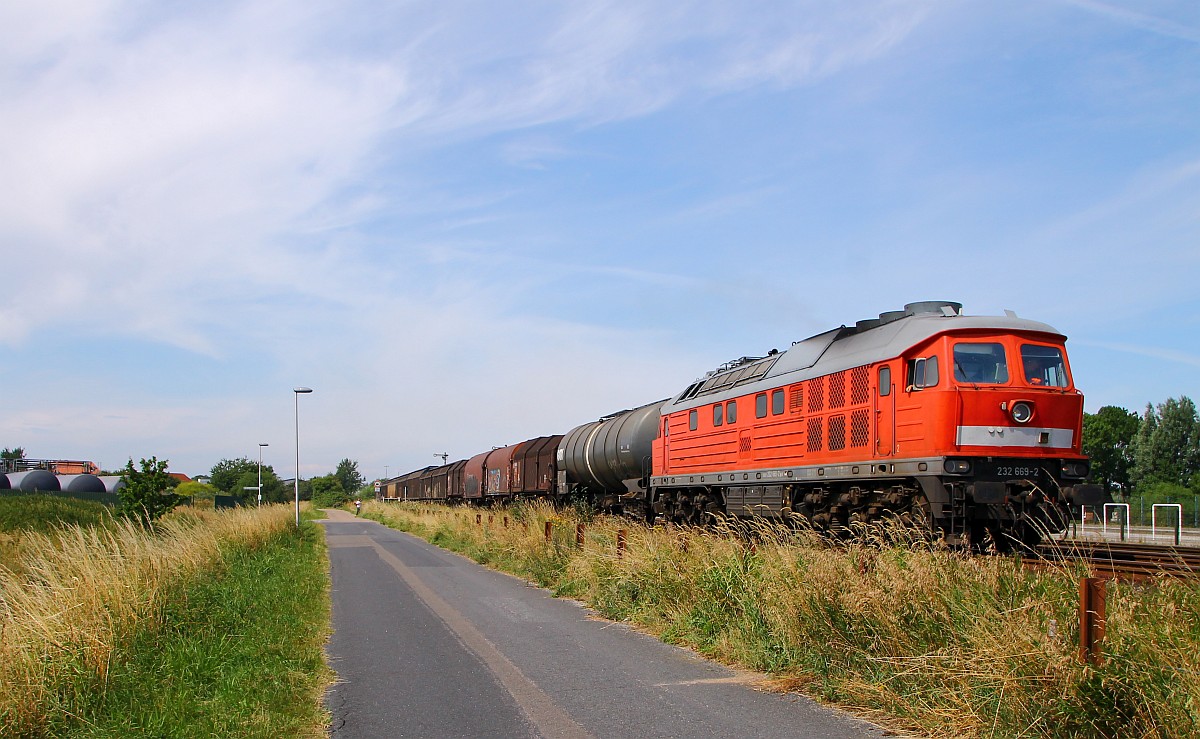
point(980, 363)
point(1044, 366)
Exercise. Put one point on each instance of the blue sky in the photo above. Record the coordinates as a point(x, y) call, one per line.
point(465, 224)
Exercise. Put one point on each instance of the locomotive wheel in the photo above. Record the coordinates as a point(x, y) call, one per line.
point(983, 538)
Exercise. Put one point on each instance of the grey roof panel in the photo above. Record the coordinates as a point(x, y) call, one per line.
point(845, 348)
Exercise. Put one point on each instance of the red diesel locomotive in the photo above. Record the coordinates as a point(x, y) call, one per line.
point(968, 425)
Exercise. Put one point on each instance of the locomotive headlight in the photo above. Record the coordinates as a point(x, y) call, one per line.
point(1021, 411)
point(957, 466)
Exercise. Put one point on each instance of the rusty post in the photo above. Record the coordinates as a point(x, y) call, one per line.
point(506, 522)
point(491, 518)
point(620, 543)
point(478, 519)
point(579, 536)
point(1092, 591)
point(549, 528)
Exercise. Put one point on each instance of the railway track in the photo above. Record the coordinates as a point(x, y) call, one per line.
point(1123, 559)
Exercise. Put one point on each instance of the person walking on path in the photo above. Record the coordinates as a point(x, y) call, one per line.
point(357, 507)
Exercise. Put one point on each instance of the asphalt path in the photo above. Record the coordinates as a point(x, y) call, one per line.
point(429, 644)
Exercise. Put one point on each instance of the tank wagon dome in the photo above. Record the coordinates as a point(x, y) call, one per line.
point(84, 483)
point(4, 484)
point(34, 481)
point(868, 341)
point(112, 483)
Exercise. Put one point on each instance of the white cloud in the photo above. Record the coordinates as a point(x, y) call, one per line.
point(179, 161)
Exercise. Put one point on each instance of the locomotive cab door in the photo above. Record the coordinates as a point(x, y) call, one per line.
point(885, 411)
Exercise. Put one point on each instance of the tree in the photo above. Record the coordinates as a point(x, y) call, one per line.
point(1107, 439)
point(347, 474)
point(328, 492)
point(148, 493)
point(272, 491)
point(1142, 469)
point(227, 474)
point(13, 454)
point(1167, 445)
point(196, 494)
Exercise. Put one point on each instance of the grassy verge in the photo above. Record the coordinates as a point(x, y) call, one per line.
point(925, 640)
point(212, 625)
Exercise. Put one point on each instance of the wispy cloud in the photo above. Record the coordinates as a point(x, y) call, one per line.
point(1144, 21)
point(183, 160)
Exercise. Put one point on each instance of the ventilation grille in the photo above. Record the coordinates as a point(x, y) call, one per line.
point(837, 433)
point(744, 444)
point(816, 394)
point(837, 390)
point(860, 385)
point(860, 431)
point(815, 429)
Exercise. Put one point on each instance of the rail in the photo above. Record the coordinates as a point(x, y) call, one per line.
point(1112, 559)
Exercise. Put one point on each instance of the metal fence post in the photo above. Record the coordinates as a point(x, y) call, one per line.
point(1178, 519)
point(1092, 591)
point(1124, 523)
point(549, 528)
point(579, 536)
point(620, 543)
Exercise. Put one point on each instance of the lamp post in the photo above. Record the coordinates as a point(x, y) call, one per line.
point(297, 392)
point(260, 446)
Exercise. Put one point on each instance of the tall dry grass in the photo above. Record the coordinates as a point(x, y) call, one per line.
point(77, 594)
point(931, 640)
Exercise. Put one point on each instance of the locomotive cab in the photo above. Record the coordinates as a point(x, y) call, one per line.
point(1005, 420)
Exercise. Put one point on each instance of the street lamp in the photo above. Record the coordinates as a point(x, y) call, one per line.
point(297, 391)
point(260, 446)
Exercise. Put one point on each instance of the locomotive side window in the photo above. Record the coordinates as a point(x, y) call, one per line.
point(776, 402)
point(1043, 365)
point(692, 420)
point(760, 405)
point(981, 363)
point(885, 380)
point(718, 414)
point(922, 373)
point(731, 411)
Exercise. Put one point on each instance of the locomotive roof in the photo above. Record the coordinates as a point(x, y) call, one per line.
point(843, 348)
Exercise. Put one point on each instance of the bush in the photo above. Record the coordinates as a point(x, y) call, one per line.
point(327, 492)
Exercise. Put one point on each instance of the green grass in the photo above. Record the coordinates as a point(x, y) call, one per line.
point(46, 512)
point(239, 653)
